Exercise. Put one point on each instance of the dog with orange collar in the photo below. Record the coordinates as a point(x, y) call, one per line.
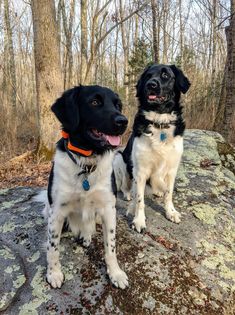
point(81, 183)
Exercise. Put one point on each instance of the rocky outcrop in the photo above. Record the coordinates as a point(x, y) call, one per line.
point(173, 269)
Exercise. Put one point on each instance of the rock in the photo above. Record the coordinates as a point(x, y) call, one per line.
point(185, 268)
point(12, 276)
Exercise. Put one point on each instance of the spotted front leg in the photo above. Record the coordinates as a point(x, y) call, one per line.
point(116, 275)
point(138, 192)
point(171, 213)
point(54, 274)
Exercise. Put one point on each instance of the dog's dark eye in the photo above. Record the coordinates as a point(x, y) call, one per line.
point(165, 75)
point(119, 106)
point(95, 102)
point(148, 76)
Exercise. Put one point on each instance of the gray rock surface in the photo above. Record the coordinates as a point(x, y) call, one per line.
point(173, 269)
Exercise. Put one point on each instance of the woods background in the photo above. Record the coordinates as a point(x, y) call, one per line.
point(48, 46)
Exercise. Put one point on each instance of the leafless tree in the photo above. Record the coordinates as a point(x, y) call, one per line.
point(84, 39)
point(48, 71)
point(156, 31)
point(68, 31)
point(228, 115)
point(10, 70)
point(109, 43)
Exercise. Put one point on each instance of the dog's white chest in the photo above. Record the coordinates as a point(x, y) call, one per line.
point(87, 191)
point(160, 138)
point(149, 152)
point(151, 147)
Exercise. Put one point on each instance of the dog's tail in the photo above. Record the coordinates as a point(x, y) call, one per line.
point(42, 197)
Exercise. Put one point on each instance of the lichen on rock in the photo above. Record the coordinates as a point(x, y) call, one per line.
point(185, 268)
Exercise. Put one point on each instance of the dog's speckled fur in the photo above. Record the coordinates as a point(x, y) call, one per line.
point(67, 199)
point(149, 164)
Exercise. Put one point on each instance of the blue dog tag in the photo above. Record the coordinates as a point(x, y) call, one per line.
point(163, 136)
point(86, 185)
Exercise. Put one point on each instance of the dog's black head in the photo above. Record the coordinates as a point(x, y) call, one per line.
point(159, 87)
point(92, 113)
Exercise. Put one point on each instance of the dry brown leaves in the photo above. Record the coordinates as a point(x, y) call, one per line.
point(24, 170)
point(206, 163)
point(163, 241)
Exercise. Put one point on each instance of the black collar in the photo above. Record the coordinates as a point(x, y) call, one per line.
point(69, 153)
point(87, 169)
point(163, 125)
point(159, 125)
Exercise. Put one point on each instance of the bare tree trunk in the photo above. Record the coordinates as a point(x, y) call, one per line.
point(136, 32)
point(155, 33)
point(181, 36)
point(68, 27)
point(125, 47)
point(93, 48)
point(116, 61)
point(165, 9)
point(95, 42)
point(213, 57)
point(58, 21)
point(20, 64)
point(218, 123)
point(84, 41)
point(48, 72)
point(228, 131)
point(70, 51)
point(4, 86)
point(11, 73)
point(214, 43)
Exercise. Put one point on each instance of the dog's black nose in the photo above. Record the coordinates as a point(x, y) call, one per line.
point(153, 84)
point(120, 121)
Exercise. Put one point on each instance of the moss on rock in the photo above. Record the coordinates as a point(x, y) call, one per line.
point(185, 268)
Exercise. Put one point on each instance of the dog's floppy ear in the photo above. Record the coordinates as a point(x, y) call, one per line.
point(140, 81)
point(181, 81)
point(66, 108)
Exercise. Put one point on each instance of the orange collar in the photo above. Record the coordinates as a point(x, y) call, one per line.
point(71, 147)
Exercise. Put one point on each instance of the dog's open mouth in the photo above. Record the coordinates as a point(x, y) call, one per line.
point(155, 98)
point(112, 140)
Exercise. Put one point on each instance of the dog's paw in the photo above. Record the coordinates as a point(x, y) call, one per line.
point(173, 215)
point(119, 278)
point(55, 278)
point(139, 224)
point(158, 194)
point(84, 241)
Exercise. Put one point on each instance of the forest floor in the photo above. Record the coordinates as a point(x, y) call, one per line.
point(28, 170)
point(24, 170)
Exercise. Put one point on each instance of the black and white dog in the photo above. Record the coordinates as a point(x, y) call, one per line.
point(81, 182)
point(153, 152)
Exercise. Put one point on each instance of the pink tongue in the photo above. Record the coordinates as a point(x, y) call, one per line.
point(152, 97)
point(113, 140)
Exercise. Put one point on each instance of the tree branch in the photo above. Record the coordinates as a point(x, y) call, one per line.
point(226, 18)
point(120, 22)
